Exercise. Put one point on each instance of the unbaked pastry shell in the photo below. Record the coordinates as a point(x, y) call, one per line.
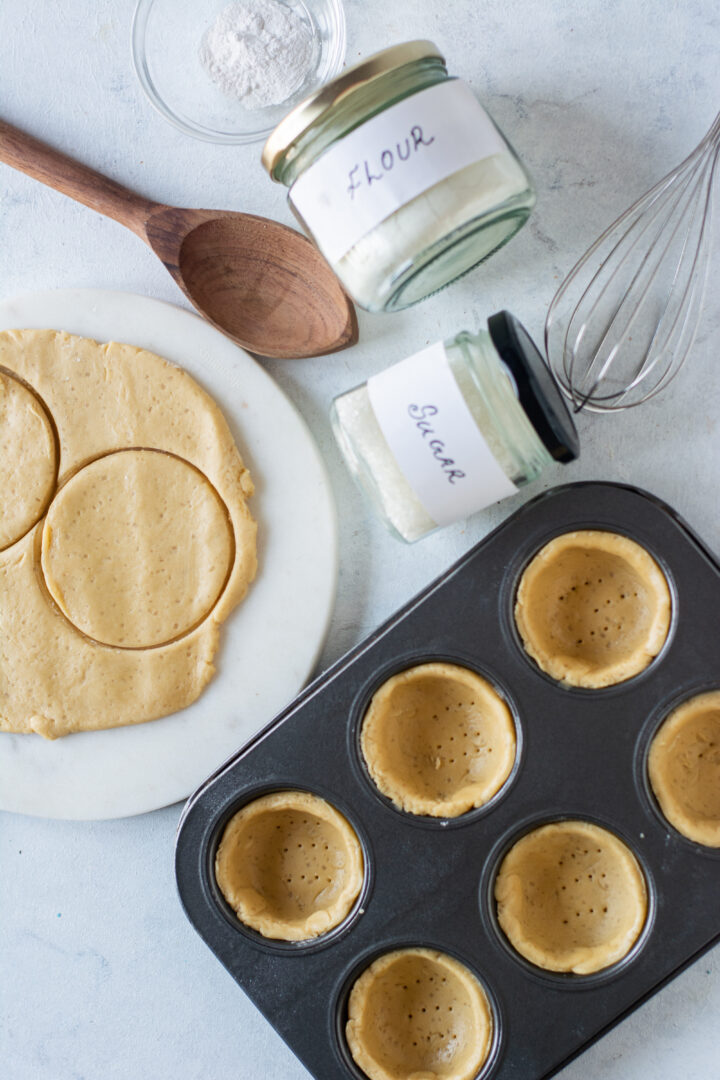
point(382, 1034)
point(290, 865)
point(571, 897)
point(684, 768)
point(593, 608)
point(438, 740)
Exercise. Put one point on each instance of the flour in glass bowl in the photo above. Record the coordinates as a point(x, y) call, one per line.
point(258, 51)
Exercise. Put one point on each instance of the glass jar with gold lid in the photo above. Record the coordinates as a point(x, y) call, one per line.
point(399, 175)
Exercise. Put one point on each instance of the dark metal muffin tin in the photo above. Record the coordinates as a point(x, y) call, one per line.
point(581, 754)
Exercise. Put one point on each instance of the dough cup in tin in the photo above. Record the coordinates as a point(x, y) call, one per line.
point(593, 608)
point(438, 740)
point(571, 897)
point(290, 865)
point(417, 1012)
point(684, 768)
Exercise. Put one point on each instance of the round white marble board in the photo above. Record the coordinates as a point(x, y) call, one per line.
point(269, 645)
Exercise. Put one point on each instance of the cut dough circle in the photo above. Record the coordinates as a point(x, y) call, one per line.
point(438, 740)
point(136, 548)
point(571, 897)
point(593, 608)
point(684, 768)
point(417, 1013)
point(28, 460)
point(290, 865)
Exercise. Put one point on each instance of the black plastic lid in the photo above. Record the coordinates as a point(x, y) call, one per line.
point(540, 395)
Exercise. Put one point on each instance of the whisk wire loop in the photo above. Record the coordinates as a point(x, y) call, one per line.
point(624, 319)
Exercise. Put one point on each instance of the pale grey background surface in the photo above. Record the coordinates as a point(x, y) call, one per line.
point(101, 976)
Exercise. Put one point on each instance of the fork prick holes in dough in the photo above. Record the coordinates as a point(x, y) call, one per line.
point(270, 876)
point(537, 899)
point(593, 630)
point(394, 1030)
point(106, 559)
point(415, 763)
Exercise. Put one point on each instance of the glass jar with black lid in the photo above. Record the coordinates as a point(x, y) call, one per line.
point(454, 428)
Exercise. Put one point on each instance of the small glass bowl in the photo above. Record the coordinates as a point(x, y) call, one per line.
point(166, 37)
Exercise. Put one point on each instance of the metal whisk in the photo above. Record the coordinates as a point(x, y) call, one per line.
point(624, 319)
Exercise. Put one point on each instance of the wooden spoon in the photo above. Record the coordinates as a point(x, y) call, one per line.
point(263, 284)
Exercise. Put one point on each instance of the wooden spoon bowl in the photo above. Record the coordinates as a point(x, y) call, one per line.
point(256, 279)
point(261, 283)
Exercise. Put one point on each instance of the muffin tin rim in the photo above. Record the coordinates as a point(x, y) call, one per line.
point(223, 909)
point(563, 980)
point(337, 1011)
point(361, 703)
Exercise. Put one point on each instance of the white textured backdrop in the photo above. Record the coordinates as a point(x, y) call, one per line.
point(102, 978)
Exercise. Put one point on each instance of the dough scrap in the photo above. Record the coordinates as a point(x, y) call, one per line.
point(684, 768)
point(593, 608)
point(102, 399)
point(290, 865)
point(438, 740)
point(417, 1013)
point(571, 897)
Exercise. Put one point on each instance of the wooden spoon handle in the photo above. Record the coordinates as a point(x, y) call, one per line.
point(58, 171)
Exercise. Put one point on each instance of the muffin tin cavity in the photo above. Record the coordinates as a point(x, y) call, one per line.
point(571, 897)
point(99, 529)
point(28, 459)
point(684, 768)
point(438, 740)
point(417, 1012)
point(290, 865)
point(593, 608)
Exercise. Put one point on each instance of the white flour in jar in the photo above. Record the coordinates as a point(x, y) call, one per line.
point(258, 51)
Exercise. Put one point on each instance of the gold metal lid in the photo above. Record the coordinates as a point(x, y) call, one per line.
point(312, 108)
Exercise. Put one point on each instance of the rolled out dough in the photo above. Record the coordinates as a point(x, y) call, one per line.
point(112, 602)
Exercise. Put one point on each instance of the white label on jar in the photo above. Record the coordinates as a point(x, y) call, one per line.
point(434, 437)
point(390, 160)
